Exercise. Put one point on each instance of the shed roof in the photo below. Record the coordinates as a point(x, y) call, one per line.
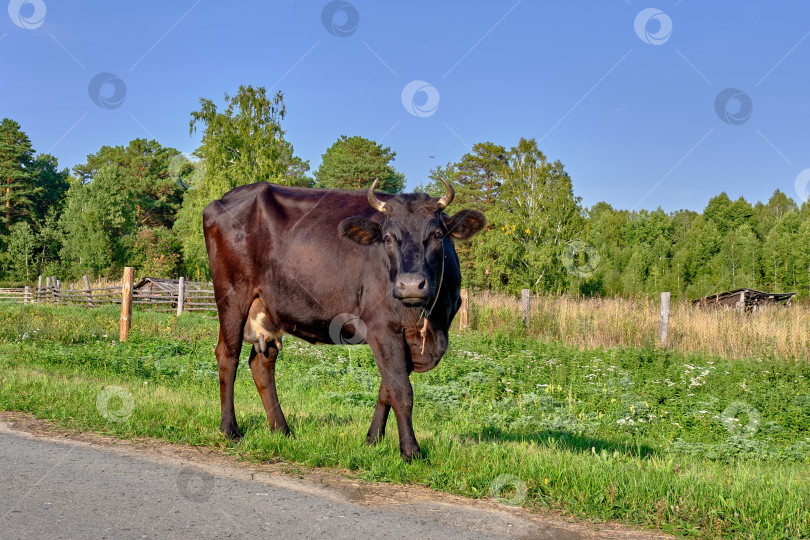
point(750, 297)
point(154, 284)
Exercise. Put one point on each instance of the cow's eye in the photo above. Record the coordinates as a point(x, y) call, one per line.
point(387, 238)
point(438, 235)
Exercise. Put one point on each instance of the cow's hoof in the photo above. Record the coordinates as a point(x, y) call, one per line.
point(409, 455)
point(232, 432)
point(374, 438)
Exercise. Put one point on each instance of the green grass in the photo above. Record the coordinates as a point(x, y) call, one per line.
point(691, 444)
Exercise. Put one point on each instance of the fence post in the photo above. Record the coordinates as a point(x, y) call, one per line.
point(663, 329)
point(181, 295)
point(57, 289)
point(463, 312)
point(39, 287)
point(27, 296)
point(526, 306)
point(89, 291)
point(126, 303)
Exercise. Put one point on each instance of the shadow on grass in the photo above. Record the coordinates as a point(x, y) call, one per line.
point(296, 422)
point(562, 439)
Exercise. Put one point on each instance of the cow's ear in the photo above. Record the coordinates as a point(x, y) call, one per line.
point(361, 230)
point(465, 224)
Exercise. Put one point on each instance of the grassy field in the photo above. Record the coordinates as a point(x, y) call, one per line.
point(775, 332)
point(688, 443)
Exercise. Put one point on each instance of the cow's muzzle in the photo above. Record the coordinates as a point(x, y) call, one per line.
point(412, 289)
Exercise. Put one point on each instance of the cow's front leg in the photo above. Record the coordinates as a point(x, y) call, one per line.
point(227, 353)
point(377, 430)
point(394, 373)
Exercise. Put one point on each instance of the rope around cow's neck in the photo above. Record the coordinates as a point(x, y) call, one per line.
point(426, 312)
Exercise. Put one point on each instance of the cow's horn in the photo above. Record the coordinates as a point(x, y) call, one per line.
point(447, 198)
point(375, 203)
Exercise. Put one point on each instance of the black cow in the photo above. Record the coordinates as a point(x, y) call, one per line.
point(334, 266)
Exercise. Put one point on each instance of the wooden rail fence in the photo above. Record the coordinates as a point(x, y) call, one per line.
point(184, 297)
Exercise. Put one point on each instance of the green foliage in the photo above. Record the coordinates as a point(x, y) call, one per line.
point(156, 252)
point(97, 222)
point(355, 162)
point(245, 142)
point(730, 245)
point(51, 187)
point(143, 172)
point(18, 259)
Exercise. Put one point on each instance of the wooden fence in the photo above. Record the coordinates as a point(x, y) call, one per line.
point(191, 296)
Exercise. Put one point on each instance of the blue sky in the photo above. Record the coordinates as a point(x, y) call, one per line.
point(623, 92)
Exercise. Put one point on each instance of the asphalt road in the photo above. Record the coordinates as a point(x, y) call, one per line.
point(53, 488)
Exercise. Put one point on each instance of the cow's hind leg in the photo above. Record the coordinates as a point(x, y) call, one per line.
point(227, 353)
point(263, 368)
point(377, 430)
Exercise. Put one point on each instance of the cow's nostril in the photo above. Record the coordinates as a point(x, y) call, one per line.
point(422, 284)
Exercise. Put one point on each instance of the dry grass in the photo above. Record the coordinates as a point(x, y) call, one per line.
point(611, 322)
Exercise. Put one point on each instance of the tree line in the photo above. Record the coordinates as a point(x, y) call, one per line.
point(141, 205)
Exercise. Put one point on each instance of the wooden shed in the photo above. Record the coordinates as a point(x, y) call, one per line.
point(745, 299)
point(163, 286)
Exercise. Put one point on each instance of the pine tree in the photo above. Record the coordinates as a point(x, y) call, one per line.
point(354, 163)
point(16, 176)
